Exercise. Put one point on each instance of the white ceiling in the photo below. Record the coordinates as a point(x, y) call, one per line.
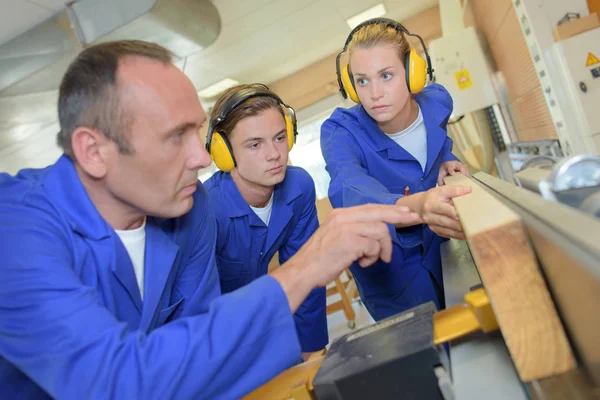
point(18, 16)
point(260, 40)
point(265, 40)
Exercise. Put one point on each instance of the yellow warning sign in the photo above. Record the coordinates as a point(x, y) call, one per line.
point(463, 80)
point(591, 60)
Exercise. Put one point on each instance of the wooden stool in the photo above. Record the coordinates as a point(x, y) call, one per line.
point(348, 291)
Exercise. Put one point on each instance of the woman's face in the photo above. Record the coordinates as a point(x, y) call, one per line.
point(380, 82)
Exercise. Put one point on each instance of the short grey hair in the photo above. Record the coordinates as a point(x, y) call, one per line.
point(89, 96)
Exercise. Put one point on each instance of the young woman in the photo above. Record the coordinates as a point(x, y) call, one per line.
point(392, 148)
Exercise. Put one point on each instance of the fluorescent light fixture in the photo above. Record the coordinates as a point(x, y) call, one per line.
point(217, 88)
point(373, 12)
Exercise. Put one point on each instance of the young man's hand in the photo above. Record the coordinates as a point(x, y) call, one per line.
point(451, 168)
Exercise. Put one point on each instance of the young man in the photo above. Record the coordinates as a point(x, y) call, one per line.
point(262, 205)
point(86, 310)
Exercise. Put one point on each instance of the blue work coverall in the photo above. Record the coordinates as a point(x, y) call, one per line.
point(72, 322)
point(245, 245)
point(367, 166)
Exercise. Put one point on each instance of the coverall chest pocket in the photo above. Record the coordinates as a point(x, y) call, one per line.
point(169, 311)
point(229, 269)
point(232, 274)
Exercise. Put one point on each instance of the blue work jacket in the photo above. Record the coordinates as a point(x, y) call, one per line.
point(367, 166)
point(245, 245)
point(72, 322)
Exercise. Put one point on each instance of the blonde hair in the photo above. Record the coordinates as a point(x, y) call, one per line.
point(374, 34)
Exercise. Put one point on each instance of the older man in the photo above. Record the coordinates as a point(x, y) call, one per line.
point(108, 283)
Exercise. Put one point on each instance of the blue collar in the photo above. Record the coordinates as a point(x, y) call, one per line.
point(65, 188)
point(284, 193)
point(434, 114)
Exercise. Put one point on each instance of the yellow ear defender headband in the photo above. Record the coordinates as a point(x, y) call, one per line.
point(216, 142)
point(417, 69)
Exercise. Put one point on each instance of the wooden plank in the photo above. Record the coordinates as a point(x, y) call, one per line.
point(577, 225)
point(566, 242)
point(509, 271)
point(577, 295)
point(572, 385)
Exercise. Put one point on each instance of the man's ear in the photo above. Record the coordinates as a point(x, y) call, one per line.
point(90, 150)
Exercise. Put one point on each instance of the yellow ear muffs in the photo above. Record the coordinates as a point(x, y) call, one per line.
point(291, 132)
point(348, 84)
point(221, 153)
point(416, 67)
point(416, 71)
point(217, 144)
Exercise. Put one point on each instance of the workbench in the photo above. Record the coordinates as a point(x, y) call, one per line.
point(565, 242)
point(486, 366)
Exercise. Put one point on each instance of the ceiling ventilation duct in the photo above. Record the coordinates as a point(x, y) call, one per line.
point(35, 61)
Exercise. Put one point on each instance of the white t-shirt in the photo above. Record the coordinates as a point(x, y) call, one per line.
point(264, 213)
point(414, 140)
point(134, 241)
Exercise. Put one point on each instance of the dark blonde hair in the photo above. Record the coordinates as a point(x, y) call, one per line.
point(371, 35)
point(249, 108)
point(89, 95)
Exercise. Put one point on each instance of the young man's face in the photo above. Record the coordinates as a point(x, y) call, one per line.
point(260, 146)
point(160, 176)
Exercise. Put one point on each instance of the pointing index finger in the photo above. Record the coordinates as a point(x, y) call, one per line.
point(390, 214)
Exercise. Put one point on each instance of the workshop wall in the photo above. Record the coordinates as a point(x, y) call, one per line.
point(497, 21)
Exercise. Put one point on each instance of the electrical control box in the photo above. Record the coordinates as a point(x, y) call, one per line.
point(462, 67)
point(578, 61)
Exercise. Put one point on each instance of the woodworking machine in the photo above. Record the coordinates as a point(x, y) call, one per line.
point(459, 353)
point(574, 181)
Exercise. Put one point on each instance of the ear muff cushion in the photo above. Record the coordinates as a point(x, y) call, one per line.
point(289, 127)
point(348, 84)
point(416, 71)
point(221, 153)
